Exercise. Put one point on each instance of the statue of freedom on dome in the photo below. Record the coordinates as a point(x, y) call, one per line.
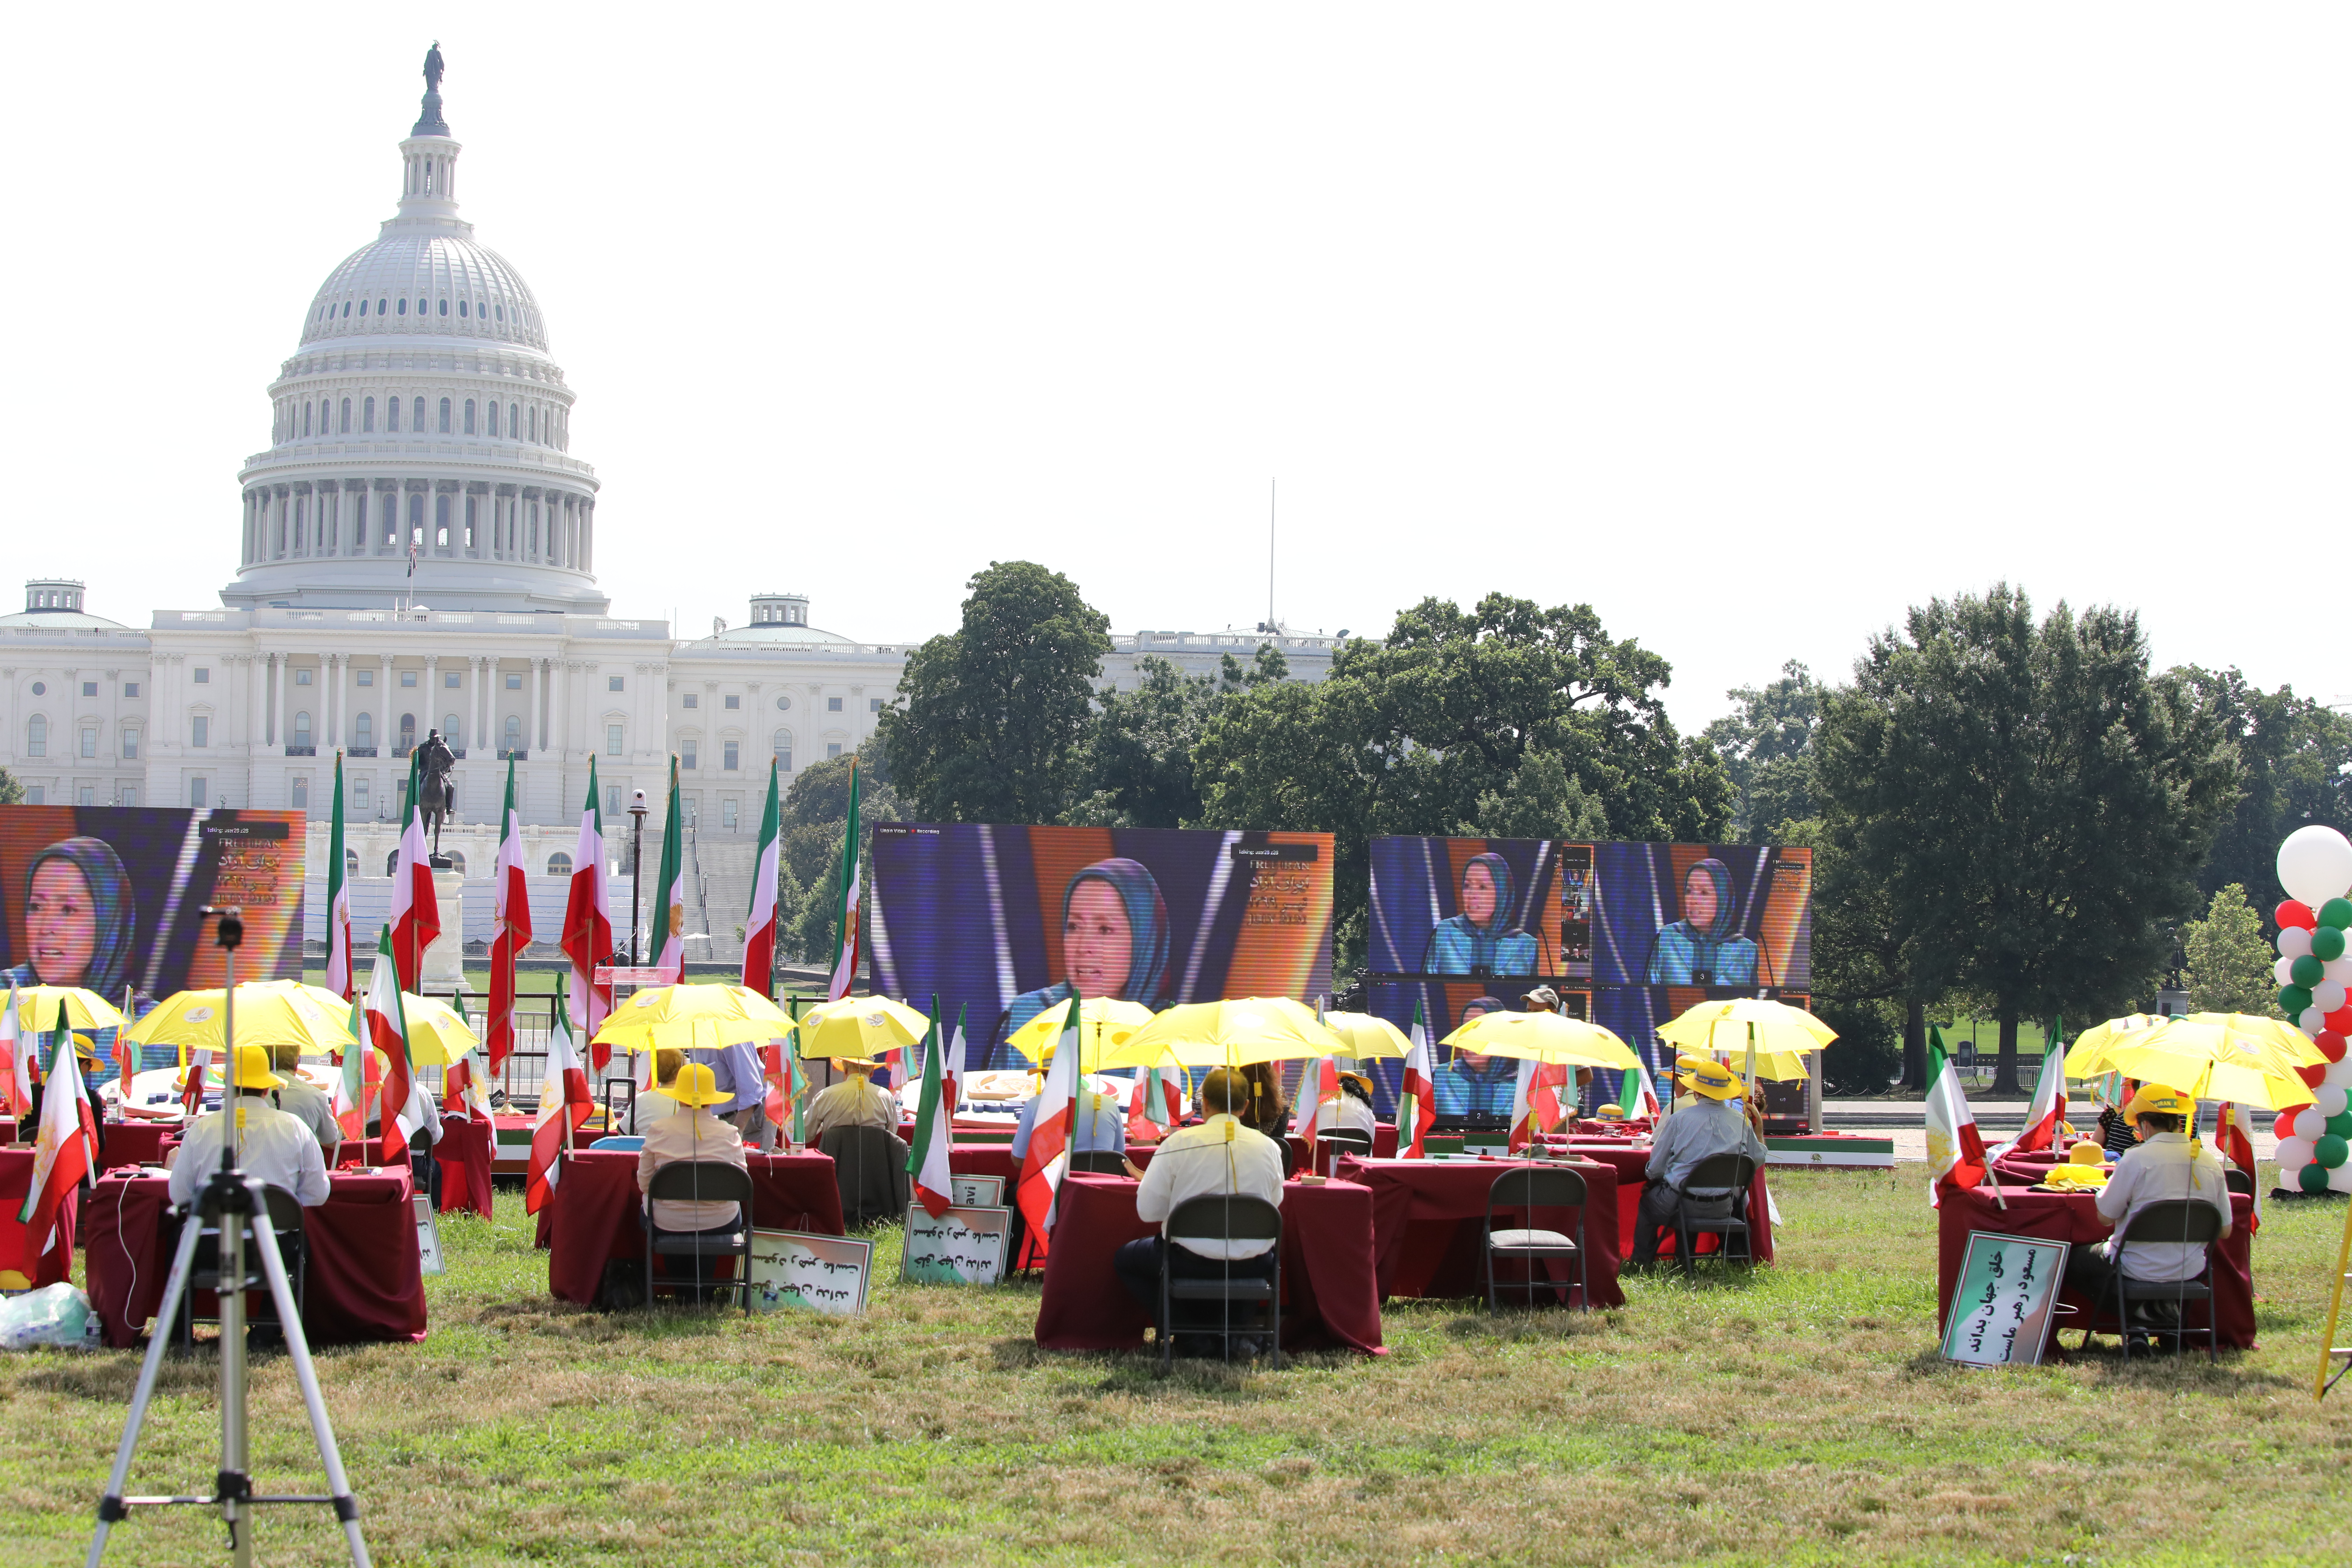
point(432, 67)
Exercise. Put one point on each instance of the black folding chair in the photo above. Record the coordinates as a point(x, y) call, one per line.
point(869, 1165)
point(1098, 1162)
point(1529, 1189)
point(2191, 1222)
point(286, 1219)
point(1333, 1141)
point(706, 1182)
point(2237, 1181)
point(1734, 1171)
point(1228, 1217)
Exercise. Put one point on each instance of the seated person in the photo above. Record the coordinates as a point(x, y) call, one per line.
point(855, 1101)
point(2116, 1135)
point(272, 1146)
point(1713, 1123)
point(690, 1132)
point(1219, 1155)
point(2163, 1164)
point(303, 1100)
point(1101, 1121)
point(650, 1105)
point(1263, 1109)
point(1353, 1108)
point(1466, 1084)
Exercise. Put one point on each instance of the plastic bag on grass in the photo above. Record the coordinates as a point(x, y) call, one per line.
point(52, 1315)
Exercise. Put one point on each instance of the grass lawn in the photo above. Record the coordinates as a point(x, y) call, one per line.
point(1803, 1416)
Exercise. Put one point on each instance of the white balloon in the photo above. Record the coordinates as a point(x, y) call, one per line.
point(2294, 1153)
point(2314, 865)
point(2339, 1180)
point(2283, 971)
point(2327, 996)
point(2282, 1124)
point(2338, 970)
point(2311, 1020)
point(2339, 1073)
point(2294, 943)
point(2329, 1098)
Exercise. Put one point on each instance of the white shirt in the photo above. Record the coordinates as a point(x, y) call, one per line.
point(1348, 1113)
point(276, 1148)
point(689, 1135)
point(301, 1101)
point(1219, 1156)
point(2162, 1166)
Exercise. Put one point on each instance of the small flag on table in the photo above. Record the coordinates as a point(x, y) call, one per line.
point(565, 1105)
point(927, 1160)
point(1050, 1134)
point(1955, 1151)
point(1416, 1110)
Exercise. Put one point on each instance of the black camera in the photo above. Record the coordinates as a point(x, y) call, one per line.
point(231, 931)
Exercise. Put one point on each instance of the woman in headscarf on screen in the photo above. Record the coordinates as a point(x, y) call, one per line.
point(1467, 1084)
point(1705, 947)
point(1482, 939)
point(79, 915)
point(1114, 942)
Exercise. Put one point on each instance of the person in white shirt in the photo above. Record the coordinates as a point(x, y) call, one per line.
point(1218, 1157)
point(857, 1101)
point(272, 1146)
point(1352, 1110)
point(690, 1132)
point(2164, 1165)
point(303, 1100)
point(651, 1106)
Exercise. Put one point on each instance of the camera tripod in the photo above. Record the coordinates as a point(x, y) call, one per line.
point(234, 1203)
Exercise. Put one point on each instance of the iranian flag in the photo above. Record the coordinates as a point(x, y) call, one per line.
point(2229, 1138)
point(588, 920)
point(787, 1096)
point(951, 1071)
point(1956, 1152)
point(845, 909)
point(760, 937)
point(1319, 1086)
point(510, 921)
point(2049, 1105)
point(415, 911)
point(16, 1062)
point(1523, 1106)
point(462, 1084)
point(387, 1025)
point(1416, 1110)
point(1158, 1104)
point(927, 1159)
point(338, 899)
point(192, 1084)
point(1050, 1132)
point(563, 1105)
point(359, 1082)
point(66, 1150)
point(1638, 1094)
point(668, 945)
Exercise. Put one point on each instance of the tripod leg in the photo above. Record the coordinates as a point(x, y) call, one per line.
point(158, 1344)
point(297, 1349)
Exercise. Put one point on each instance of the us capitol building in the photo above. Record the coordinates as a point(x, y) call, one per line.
point(417, 549)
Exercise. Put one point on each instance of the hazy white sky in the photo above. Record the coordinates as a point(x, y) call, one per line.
point(1748, 325)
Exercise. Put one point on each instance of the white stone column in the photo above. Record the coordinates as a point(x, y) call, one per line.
point(256, 703)
point(383, 733)
point(282, 712)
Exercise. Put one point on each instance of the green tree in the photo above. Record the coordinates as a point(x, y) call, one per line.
point(2296, 768)
point(1428, 729)
point(1539, 802)
point(1136, 768)
point(989, 718)
point(10, 792)
point(2032, 805)
point(811, 829)
point(1766, 743)
point(2230, 967)
point(1862, 967)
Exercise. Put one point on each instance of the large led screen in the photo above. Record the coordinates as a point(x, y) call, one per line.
point(1004, 921)
point(1709, 915)
point(111, 899)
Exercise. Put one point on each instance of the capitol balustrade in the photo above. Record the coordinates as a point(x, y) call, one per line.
point(524, 455)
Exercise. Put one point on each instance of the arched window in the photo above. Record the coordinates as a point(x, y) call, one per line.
point(37, 737)
point(559, 864)
point(494, 421)
point(302, 730)
point(306, 419)
point(403, 307)
point(367, 416)
point(363, 731)
point(363, 307)
point(392, 414)
point(445, 417)
point(391, 863)
point(784, 750)
point(350, 862)
point(470, 417)
point(498, 312)
point(514, 732)
point(514, 421)
point(461, 308)
point(407, 733)
point(456, 860)
point(379, 307)
point(418, 424)
point(445, 307)
point(441, 522)
point(686, 753)
point(451, 733)
point(534, 422)
point(420, 307)
point(416, 520)
point(302, 801)
point(347, 416)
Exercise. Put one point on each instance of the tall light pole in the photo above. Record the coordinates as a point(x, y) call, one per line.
point(636, 867)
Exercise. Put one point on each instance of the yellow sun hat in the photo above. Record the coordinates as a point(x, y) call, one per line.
point(1712, 1079)
point(696, 1085)
point(253, 1069)
point(2086, 1153)
point(2156, 1100)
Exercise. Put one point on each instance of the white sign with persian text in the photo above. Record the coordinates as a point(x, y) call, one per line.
point(798, 1268)
point(961, 1247)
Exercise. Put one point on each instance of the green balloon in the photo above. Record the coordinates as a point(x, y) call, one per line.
point(2340, 1126)
point(2328, 944)
point(2311, 1178)
point(2337, 912)
point(2308, 972)
point(2329, 1151)
point(2294, 999)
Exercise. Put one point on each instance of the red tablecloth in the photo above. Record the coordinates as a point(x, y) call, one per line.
point(1428, 1217)
point(1329, 1296)
point(1629, 1162)
point(595, 1207)
point(2074, 1217)
point(55, 1265)
point(135, 1144)
point(363, 1280)
point(463, 1151)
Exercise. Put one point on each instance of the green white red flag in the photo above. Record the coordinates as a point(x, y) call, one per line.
point(510, 926)
point(668, 945)
point(1416, 1108)
point(1955, 1151)
point(927, 1158)
point(16, 1061)
point(588, 922)
point(760, 934)
point(1319, 1086)
point(1638, 1095)
point(847, 907)
point(1050, 1134)
point(359, 1081)
point(338, 898)
point(66, 1149)
point(415, 908)
point(564, 1104)
point(405, 1104)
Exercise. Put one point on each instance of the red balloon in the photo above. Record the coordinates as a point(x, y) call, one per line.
point(2285, 1126)
point(2339, 1021)
point(2313, 1075)
point(2330, 1043)
point(2292, 913)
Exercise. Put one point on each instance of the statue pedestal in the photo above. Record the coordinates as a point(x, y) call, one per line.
point(444, 970)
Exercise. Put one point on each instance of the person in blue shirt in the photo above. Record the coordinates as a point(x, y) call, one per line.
point(1468, 1084)
point(1101, 1121)
point(1481, 940)
point(1705, 947)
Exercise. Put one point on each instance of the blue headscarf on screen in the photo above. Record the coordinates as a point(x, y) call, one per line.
point(1685, 953)
point(111, 906)
point(1460, 945)
point(1147, 919)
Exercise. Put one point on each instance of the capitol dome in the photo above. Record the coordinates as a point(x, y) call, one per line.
point(420, 435)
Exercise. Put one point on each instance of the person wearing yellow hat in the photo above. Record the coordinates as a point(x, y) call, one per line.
point(1353, 1112)
point(271, 1144)
point(1712, 1123)
point(690, 1132)
point(2166, 1164)
point(855, 1101)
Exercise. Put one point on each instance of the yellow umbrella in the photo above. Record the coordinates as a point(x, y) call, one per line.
point(2217, 1056)
point(694, 1018)
point(38, 1007)
point(1368, 1034)
point(1544, 1038)
point(269, 1014)
point(438, 1034)
point(2087, 1058)
point(1227, 1033)
point(1103, 1022)
point(1724, 1026)
point(860, 1028)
